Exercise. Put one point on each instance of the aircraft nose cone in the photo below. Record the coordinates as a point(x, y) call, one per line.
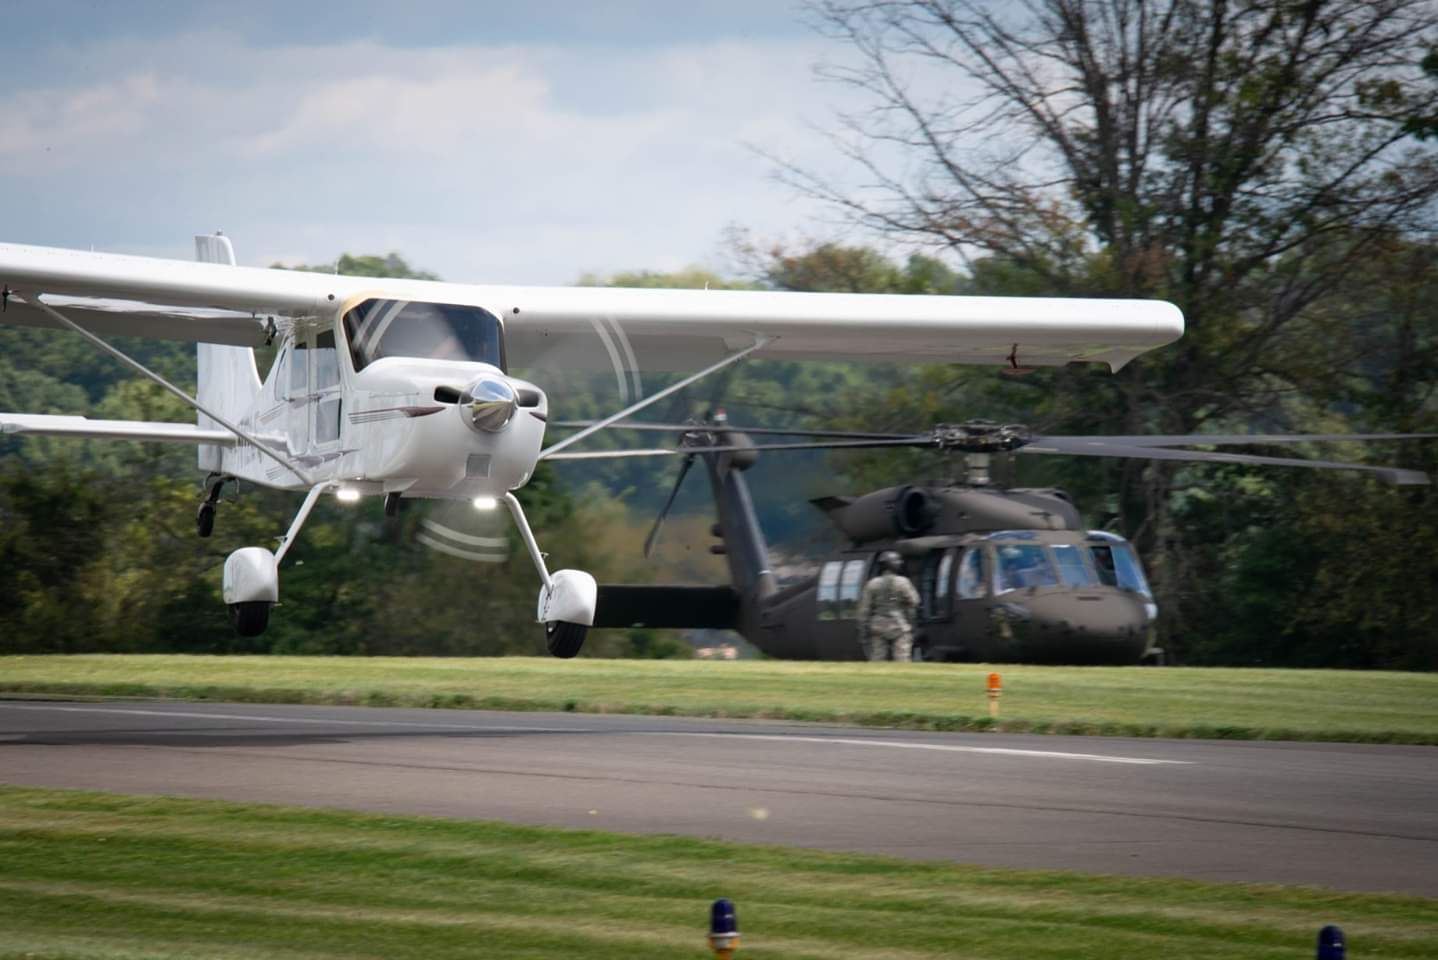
point(488, 404)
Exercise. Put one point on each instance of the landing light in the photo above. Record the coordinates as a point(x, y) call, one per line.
point(485, 503)
point(347, 495)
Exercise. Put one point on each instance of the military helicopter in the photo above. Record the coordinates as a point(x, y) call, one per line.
point(1003, 574)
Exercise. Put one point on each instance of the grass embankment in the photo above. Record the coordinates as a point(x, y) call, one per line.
point(1128, 701)
point(102, 876)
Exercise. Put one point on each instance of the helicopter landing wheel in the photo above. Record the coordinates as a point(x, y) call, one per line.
point(205, 519)
point(920, 653)
point(563, 639)
point(251, 618)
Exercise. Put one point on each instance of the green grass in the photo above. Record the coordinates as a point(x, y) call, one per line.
point(1130, 701)
point(92, 875)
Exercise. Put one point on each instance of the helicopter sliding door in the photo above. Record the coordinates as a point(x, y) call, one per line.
point(933, 619)
point(967, 636)
point(935, 579)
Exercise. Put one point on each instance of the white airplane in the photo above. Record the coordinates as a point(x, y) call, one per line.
point(400, 388)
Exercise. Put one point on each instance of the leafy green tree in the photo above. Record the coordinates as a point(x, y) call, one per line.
point(1244, 161)
point(366, 265)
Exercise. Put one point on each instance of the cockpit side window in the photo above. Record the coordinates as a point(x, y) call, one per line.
point(408, 328)
point(327, 363)
point(1023, 565)
point(1118, 566)
point(299, 370)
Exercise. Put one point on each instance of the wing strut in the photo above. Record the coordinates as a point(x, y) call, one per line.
point(65, 321)
point(672, 388)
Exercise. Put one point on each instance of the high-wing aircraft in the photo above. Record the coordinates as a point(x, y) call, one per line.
point(401, 388)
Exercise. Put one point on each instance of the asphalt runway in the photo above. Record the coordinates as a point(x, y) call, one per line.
point(1347, 816)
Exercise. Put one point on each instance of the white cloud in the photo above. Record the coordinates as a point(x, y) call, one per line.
point(500, 163)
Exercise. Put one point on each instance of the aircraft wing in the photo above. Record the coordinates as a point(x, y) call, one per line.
point(562, 328)
point(70, 426)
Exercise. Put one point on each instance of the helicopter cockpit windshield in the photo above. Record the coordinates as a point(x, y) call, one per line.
point(1104, 559)
point(1023, 565)
point(409, 328)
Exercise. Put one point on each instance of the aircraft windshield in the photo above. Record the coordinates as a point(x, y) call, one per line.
point(1072, 570)
point(1118, 566)
point(1023, 565)
point(408, 328)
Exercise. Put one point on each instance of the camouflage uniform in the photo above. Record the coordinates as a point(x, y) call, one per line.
point(886, 611)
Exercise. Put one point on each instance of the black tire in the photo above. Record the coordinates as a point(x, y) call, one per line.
point(920, 653)
point(250, 619)
point(563, 639)
point(205, 519)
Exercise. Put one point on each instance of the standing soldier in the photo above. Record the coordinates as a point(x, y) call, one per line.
point(886, 611)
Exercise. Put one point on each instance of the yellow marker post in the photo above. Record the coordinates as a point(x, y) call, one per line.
point(995, 687)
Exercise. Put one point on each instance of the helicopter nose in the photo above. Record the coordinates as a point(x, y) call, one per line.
point(488, 404)
point(1082, 629)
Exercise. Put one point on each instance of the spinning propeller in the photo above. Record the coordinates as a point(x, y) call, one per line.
point(468, 530)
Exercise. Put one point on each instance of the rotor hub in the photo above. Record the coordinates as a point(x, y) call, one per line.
point(981, 436)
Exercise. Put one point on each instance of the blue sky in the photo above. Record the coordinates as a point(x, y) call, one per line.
point(489, 142)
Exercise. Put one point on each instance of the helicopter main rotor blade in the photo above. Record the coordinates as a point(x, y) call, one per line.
point(653, 537)
point(1235, 439)
point(722, 428)
point(732, 448)
point(1091, 447)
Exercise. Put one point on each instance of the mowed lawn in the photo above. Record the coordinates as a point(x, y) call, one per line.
point(1135, 701)
point(92, 875)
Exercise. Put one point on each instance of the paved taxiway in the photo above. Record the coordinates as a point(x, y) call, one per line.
point(1357, 817)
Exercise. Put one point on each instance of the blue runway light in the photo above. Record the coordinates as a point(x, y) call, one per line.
point(723, 928)
point(1330, 943)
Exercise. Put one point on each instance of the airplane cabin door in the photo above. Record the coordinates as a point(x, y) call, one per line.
point(325, 433)
point(300, 401)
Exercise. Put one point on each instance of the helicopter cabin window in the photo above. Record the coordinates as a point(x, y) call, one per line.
point(1118, 566)
point(1023, 565)
point(1072, 569)
point(438, 331)
point(851, 584)
point(934, 578)
point(973, 577)
point(827, 605)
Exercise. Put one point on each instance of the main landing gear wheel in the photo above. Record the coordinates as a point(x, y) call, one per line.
point(563, 639)
point(251, 618)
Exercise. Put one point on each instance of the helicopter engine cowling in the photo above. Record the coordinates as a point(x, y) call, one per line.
point(908, 511)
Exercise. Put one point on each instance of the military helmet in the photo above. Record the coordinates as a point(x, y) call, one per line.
point(891, 561)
